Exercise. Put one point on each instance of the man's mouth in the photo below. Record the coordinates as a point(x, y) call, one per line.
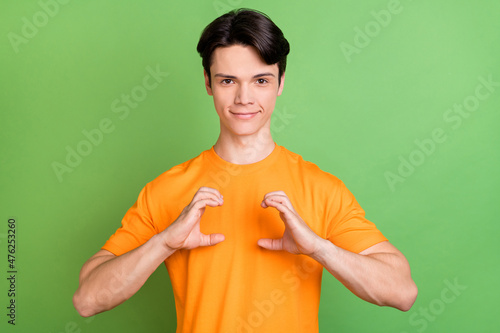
point(244, 115)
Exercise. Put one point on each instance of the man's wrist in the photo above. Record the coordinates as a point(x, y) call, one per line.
point(167, 251)
point(325, 249)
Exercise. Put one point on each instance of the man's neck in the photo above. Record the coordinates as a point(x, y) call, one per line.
point(244, 149)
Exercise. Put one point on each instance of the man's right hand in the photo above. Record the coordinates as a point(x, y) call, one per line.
point(107, 280)
point(184, 232)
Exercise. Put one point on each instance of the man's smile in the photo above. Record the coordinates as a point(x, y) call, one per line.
point(244, 115)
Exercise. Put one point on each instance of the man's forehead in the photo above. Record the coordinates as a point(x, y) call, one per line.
point(239, 59)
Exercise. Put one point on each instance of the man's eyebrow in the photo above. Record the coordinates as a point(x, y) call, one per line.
point(263, 74)
point(234, 77)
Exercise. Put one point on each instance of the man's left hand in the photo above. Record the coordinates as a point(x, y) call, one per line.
point(298, 238)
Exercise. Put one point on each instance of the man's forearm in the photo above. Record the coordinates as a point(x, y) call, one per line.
point(107, 281)
point(380, 278)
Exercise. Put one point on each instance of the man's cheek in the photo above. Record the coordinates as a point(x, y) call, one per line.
point(221, 101)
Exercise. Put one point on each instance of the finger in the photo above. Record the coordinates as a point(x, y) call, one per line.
point(278, 196)
point(280, 205)
point(212, 239)
point(275, 198)
point(202, 203)
point(275, 193)
point(195, 210)
point(271, 244)
point(206, 189)
point(203, 195)
point(291, 219)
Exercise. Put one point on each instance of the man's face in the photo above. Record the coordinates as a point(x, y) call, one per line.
point(244, 89)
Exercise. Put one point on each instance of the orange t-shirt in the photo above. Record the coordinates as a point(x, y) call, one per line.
point(236, 286)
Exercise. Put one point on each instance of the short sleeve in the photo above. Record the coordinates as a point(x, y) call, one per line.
point(348, 228)
point(136, 229)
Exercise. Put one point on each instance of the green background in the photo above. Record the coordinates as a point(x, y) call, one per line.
point(355, 116)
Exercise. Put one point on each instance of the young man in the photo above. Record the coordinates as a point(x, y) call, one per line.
point(246, 254)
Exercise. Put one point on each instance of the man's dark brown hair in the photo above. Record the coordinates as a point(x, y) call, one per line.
point(246, 27)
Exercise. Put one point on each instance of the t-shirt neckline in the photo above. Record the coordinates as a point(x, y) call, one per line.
point(239, 169)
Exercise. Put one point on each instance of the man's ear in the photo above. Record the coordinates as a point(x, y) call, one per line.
point(280, 89)
point(207, 83)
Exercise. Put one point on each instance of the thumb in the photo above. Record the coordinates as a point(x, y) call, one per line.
point(212, 239)
point(271, 244)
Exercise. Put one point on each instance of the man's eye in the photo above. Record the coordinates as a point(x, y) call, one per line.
point(262, 81)
point(227, 81)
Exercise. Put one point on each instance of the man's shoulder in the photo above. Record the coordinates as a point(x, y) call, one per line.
point(182, 171)
point(307, 168)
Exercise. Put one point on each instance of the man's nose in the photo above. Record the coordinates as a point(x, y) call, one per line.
point(244, 95)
